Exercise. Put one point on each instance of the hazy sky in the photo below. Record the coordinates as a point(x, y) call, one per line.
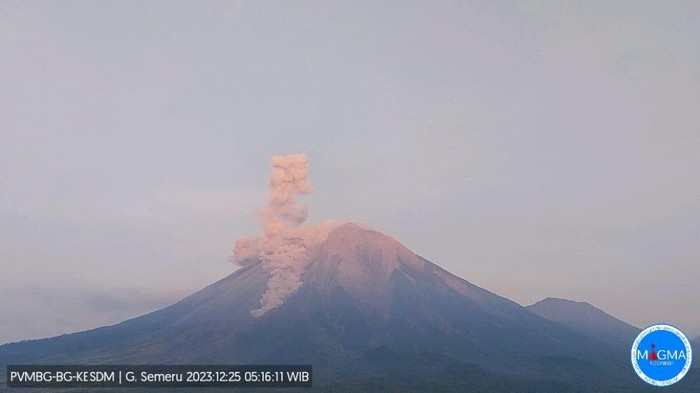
point(533, 148)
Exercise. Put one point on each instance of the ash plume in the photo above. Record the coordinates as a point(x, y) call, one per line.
point(283, 249)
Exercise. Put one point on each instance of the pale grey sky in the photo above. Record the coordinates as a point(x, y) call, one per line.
point(533, 148)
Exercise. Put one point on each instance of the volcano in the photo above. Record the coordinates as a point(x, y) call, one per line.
point(368, 309)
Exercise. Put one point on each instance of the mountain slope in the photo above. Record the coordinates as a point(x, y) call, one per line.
point(586, 319)
point(363, 293)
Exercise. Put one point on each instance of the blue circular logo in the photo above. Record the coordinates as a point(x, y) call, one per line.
point(661, 355)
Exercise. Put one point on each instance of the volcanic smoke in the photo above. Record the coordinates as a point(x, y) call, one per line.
point(283, 249)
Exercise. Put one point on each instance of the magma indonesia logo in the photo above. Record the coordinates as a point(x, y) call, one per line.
point(661, 355)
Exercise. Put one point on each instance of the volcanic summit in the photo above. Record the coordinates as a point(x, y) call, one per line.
point(359, 306)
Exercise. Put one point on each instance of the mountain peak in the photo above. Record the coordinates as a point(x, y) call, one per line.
point(360, 262)
point(351, 227)
point(555, 301)
point(355, 234)
point(353, 243)
point(564, 309)
point(583, 317)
